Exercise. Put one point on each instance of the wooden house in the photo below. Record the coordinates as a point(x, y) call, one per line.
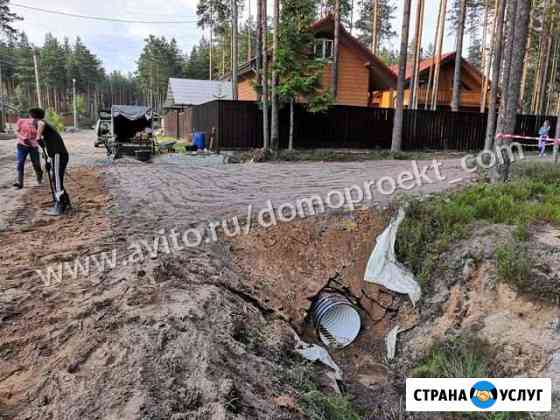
point(471, 85)
point(361, 74)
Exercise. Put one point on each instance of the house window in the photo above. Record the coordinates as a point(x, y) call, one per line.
point(324, 48)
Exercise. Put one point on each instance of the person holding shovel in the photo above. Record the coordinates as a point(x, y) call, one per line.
point(57, 158)
point(27, 145)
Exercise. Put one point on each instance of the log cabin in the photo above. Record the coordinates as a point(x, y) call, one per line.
point(361, 75)
point(471, 85)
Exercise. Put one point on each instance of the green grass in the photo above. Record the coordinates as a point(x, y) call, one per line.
point(430, 226)
point(301, 375)
point(319, 406)
point(324, 155)
point(463, 357)
point(513, 265)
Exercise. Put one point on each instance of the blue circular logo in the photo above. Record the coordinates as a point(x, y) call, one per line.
point(484, 394)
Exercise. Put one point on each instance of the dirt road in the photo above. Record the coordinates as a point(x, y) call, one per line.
point(176, 337)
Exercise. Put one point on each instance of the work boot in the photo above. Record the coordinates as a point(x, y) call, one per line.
point(39, 175)
point(65, 201)
point(56, 210)
point(19, 183)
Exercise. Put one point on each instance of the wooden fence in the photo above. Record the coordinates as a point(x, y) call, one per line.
point(238, 125)
point(178, 123)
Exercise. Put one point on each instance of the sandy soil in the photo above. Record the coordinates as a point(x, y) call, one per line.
point(179, 336)
point(181, 191)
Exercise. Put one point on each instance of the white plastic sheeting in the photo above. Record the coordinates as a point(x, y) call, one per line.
point(313, 353)
point(383, 267)
point(391, 342)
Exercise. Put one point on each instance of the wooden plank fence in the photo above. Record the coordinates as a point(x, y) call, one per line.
point(238, 125)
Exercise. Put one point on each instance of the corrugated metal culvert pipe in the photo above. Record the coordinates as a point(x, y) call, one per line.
point(335, 319)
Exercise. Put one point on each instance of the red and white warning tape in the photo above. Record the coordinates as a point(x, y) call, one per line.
point(513, 136)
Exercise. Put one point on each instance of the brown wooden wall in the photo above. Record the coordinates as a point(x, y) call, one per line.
point(353, 80)
point(184, 121)
point(246, 91)
point(469, 98)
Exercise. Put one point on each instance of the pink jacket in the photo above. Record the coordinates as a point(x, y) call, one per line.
point(26, 132)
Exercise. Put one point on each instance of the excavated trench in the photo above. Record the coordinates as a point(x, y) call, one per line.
point(301, 268)
point(291, 267)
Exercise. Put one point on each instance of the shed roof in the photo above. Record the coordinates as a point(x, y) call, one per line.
point(181, 92)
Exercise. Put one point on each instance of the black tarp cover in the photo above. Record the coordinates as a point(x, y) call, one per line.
point(129, 120)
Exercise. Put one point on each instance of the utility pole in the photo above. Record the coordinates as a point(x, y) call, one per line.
point(37, 84)
point(75, 104)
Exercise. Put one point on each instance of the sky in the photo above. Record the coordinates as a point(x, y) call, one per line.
point(119, 45)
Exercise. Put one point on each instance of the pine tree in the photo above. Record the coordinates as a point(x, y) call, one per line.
point(396, 143)
point(364, 24)
point(7, 18)
point(299, 72)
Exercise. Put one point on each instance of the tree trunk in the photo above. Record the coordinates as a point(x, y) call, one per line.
point(431, 74)
point(557, 133)
point(435, 90)
point(526, 65)
point(456, 95)
point(490, 57)
point(484, 63)
point(249, 34)
point(508, 57)
point(396, 142)
point(539, 76)
point(521, 24)
point(210, 52)
point(274, 125)
point(374, 26)
point(234, 51)
point(544, 82)
point(291, 139)
point(551, 85)
point(413, 99)
point(266, 130)
point(497, 59)
point(334, 77)
point(258, 51)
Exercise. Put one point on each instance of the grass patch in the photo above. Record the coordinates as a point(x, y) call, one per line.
point(430, 226)
point(462, 357)
point(513, 265)
point(324, 155)
point(301, 375)
point(319, 406)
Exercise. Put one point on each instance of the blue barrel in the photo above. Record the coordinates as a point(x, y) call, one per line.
point(199, 140)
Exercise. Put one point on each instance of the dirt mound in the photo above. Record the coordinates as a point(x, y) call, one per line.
point(34, 239)
point(174, 338)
